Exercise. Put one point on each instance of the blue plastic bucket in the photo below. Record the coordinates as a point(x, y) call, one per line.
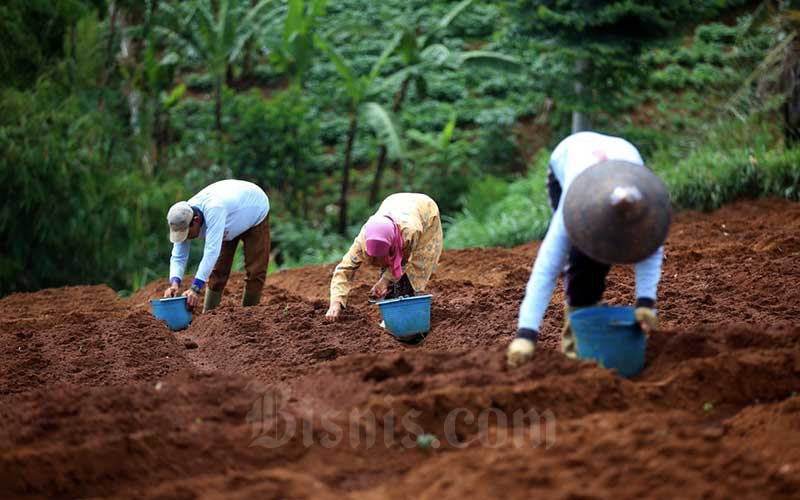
point(173, 311)
point(407, 315)
point(611, 336)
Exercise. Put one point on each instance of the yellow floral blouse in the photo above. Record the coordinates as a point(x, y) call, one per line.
point(417, 215)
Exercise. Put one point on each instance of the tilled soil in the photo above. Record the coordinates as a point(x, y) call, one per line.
point(99, 399)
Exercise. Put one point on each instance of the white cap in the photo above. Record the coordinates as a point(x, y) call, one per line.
point(179, 218)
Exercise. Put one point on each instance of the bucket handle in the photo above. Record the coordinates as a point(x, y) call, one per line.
point(377, 301)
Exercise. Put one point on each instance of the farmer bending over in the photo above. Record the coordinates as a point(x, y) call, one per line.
point(615, 212)
point(222, 213)
point(403, 237)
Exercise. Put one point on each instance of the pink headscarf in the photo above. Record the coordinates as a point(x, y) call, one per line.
point(385, 240)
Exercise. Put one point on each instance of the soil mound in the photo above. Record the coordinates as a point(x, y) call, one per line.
point(99, 399)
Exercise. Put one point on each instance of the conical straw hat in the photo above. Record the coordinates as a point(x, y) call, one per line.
point(617, 212)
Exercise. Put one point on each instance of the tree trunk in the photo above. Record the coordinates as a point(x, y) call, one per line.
point(247, 60)
point(218, 104)
point(112, 34)
point(581, 120)
point(296, 184)
point(348, 158)
point(162, 120)
point(229, 75)
point(790, 86)
point(382, 153)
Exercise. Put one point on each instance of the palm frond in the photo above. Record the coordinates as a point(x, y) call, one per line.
point(435, 54)
point(255, 22)
point(448, 18)
point(385, 129)
point(409, 46)
point(204, 21)
point(447, 132)
point(294, 17)
point(398, 77)
point(352, 84)
point(421, 138)
point(387, 51)
point(488, 59)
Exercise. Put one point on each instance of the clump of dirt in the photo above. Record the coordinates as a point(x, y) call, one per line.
point(100, 399)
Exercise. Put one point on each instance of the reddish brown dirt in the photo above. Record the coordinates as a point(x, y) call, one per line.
point(98, 399)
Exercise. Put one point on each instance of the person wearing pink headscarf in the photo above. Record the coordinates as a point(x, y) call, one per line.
point(403, 239)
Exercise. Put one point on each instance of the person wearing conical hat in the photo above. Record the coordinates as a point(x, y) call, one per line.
point(608, 208)
point(403, 239)
point(222, 214)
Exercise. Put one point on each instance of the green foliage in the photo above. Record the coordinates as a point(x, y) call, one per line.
point(738, 160)
point(301, 244)
point(597, 43)
point(71, 213)
point(717, 60)
point(497, 213)
point(293, 53)
point(497, 145)
point(274, 144)
point(215, 33)
point(32, 34)
point(200, 82)
point(672, 76)
point(459, 93)
point(383, 123)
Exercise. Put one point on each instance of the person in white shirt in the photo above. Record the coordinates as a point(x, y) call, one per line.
point(608, 208)
point(223, 213)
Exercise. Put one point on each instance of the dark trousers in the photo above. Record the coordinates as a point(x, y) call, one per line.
point(256, 259)
point(584, 277)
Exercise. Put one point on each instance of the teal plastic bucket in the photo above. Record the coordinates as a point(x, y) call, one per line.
point(611, 336)
point(173, 311)
point(407, 315)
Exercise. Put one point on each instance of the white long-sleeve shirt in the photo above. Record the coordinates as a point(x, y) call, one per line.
point(572, 156)
point(229, 208)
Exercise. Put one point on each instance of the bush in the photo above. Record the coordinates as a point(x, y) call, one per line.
point(274, 143)
point(299, 244)
point(710, 177)
point(673, 76)
point(266, 74)
point(705, 74)
point(497, 145)
point(717, 32)
point(200, 82)
point(75, 211)
point(497, 213)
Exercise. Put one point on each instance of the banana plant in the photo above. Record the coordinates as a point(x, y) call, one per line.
point(428, 143)
point(294, 53)
point(422, 55)
point(215, 33)
point(359, 88)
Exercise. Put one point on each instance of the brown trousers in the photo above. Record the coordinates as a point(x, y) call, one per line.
point(256, 259)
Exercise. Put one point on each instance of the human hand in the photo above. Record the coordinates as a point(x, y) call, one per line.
point(519, 352)
point(334, 310)
point(192, 298)
point(647, 319)
point(379, 289)
point(172, 291)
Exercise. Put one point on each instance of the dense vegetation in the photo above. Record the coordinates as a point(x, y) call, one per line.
point(112, 110)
